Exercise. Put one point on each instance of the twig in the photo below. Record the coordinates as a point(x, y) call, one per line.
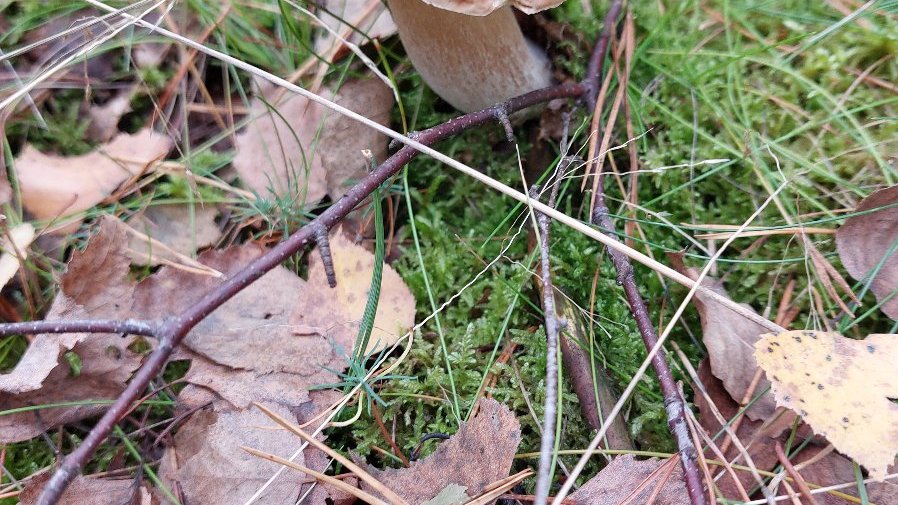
point(674, 405)
point(799, 480)
point(547, 443)
point(127, 326)
point(386, 434)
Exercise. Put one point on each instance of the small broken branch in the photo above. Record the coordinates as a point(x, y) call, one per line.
point(674, 404)
point(547, 442)
point(128, 326)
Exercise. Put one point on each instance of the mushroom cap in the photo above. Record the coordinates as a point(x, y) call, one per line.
point(486, 7)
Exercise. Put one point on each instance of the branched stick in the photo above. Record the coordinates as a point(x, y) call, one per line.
point(676, 419)
point(172, 331)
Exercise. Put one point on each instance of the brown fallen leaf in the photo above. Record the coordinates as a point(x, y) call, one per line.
point(618, 481)
point(355, 20)
point(760, 446)
point(828, 470)
point(480, 453)
point(276, 153)
point(343, 139)
point(251, 331)
point(90, 491)
point(96, 284)
point(207, 463)
point(183, 228)
point(729, 339)
point(863, 242)
point(103, 119)
point(250, 350)
point(15, 250)
point(305, 152)
point(53, 186)
point(884, 493)
point(842, 389)
point(338, 311)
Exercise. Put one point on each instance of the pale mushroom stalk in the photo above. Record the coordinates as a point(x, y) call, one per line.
point(471, 52)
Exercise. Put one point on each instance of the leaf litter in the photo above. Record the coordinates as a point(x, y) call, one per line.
point(90, 491)
point(729, 339)
point(15, 250)
point(867, 242)
point(172, 233)
point(296, 150)
point(478, 454)
point(55, 186)
point(246, 351)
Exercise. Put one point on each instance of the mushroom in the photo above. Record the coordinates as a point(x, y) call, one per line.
point(472, 52)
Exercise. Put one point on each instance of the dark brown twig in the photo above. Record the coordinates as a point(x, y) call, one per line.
point(674, 405)
point(389, 438)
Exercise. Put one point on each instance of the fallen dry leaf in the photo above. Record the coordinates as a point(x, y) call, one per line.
point(90, 491)
point(617, 481)
point(305, 152)
point(760, 446)
point(338, 311)
point(828, 470)
point(54, 186)
point(252, 330)
point(480, 453)
point(863, 242)
point(183, 228)
point(15, 250)
point(276, 153)
point(729, 339)
point(209, 466)
point(355, 20)
point(343, 139)
point(842, 389)
point(250, 350)
point(884, 493)
point(103, 119)
point(96, 284)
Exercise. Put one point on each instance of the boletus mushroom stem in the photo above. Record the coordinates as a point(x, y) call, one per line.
point(471, 53)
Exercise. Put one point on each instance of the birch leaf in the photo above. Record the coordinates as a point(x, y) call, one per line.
point(843, 388)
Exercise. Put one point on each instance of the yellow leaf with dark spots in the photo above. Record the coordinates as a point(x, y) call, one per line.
point(841, 387)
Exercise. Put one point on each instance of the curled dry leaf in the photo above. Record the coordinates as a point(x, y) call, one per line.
point(841, 387)
point(182, 228)
point(15, 250)
point(302, 152)
point(759, 444)
point(103, 119)
point(729, 339)
point(207, 463)
point(355, 20)
point(480, 453)
point(618, 481)
point(54, 186)
point(338, 311)
point(90, 491)
point(96, 285)
point(864, 243)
